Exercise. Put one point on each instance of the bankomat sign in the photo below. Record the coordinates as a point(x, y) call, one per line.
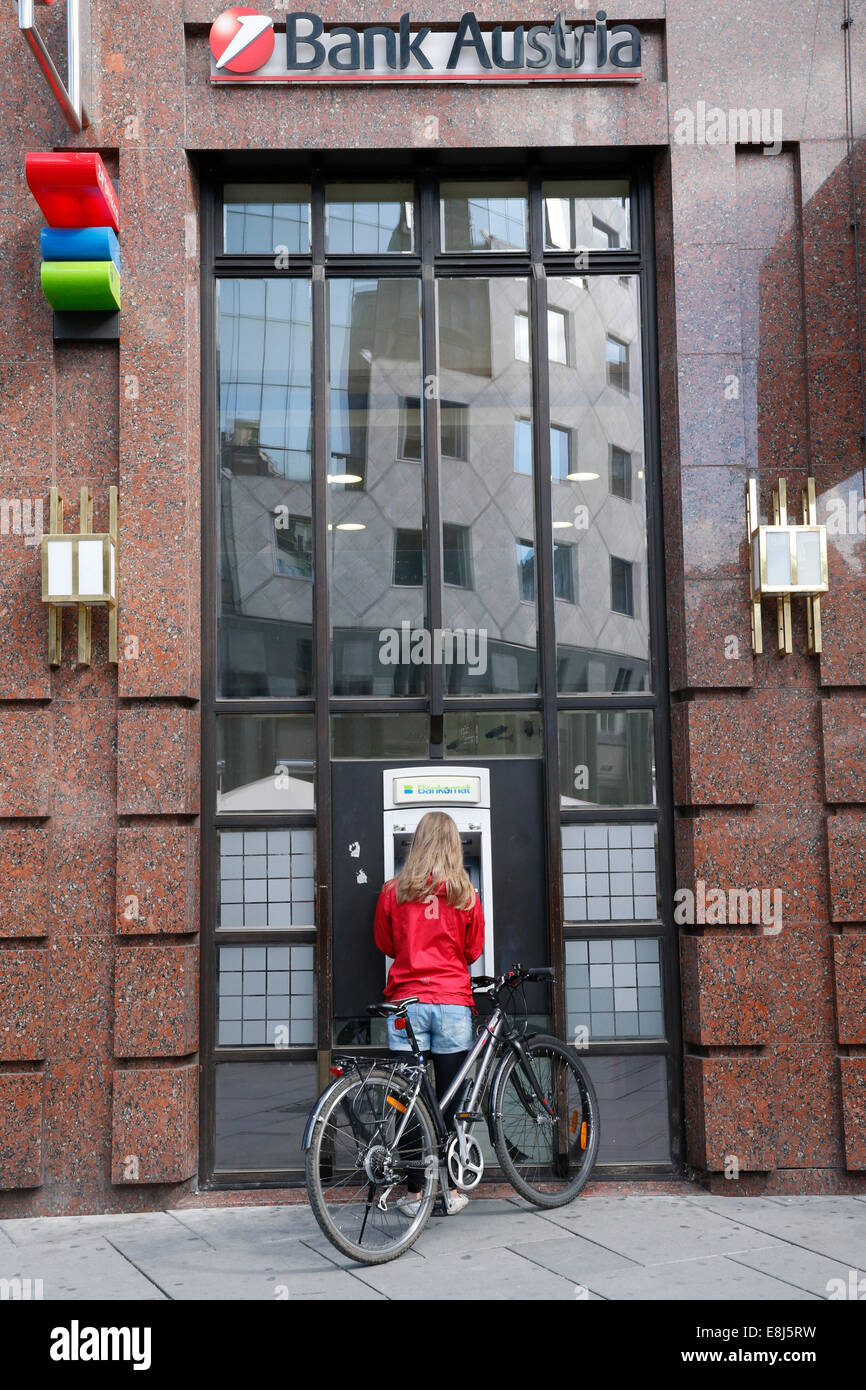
point(246, 48)
point(447, 789)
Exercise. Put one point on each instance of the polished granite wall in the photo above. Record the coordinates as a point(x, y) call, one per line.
point(760, 376)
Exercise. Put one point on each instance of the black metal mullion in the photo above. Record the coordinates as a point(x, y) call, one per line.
point(659, 654)
point(210, 541)
point(544, 588)
point(321, 626)
point(430, 433)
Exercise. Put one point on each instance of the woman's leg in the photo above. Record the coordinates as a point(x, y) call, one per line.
point(446, 1065)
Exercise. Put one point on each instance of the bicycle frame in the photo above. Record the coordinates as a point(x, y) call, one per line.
point(497, 1030)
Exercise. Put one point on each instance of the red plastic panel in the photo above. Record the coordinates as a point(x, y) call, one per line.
point(73, 190)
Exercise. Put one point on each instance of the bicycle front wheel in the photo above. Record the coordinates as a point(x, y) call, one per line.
point(358, 1161)
point(546, 1150)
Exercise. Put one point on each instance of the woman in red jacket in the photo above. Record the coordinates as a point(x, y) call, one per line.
point(429, 920)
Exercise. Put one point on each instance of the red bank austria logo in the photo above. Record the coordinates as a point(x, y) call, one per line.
point(241, 40)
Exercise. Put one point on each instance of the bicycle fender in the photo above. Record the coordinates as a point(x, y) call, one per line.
point(314, 1115)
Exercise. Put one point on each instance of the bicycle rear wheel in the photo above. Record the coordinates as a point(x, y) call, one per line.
point(546, 1151)
point(356, 1168)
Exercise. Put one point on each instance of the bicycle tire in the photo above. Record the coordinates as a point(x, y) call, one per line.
point(527, 1160)
point(369, 1121)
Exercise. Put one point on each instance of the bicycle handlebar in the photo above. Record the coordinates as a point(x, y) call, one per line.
point(486, 984)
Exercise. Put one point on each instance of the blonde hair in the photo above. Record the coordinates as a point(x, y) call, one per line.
point(435, 856)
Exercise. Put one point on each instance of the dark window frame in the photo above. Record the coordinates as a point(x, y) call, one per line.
point(637, 260)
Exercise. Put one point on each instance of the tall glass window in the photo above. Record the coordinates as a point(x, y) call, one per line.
point(265, 493)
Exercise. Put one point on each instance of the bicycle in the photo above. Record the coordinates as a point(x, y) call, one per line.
point(379, 1121)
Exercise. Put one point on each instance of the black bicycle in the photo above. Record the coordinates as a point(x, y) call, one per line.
point(379, 1121)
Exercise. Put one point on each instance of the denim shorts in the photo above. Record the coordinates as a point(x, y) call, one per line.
point(437, 1028)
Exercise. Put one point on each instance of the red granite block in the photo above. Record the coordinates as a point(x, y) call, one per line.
point(773, 847)
point(846, 848)
point(157, 879)
point(22, 1005)
point(25, 755)
point(799, 966)
point(719, 767)
point(725, 984)
point(852, 1072)
point(154, 1125)
point(23, 880)
point(156, 1001)
point(718, 639)
point(157, 756)
point(730, 1105)
point(843, 721)
point(809, 1134)
point(24, 670)
point(849, 972)
point(21, 1129)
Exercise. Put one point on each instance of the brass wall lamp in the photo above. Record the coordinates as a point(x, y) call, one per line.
point(786, 561)
point(80, 571)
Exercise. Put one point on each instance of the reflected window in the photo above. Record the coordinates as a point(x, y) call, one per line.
point(408, 558)
point(557, 335)
point(622, 586)
point(266, 219)
point(617, 363)
point(453, 429)
point(560, 453)
point(606, 237)
point(369, 219)
point(591, 214)
point(606, 758)
point(620, 473)
point(294, 546)
point(484, 216)
point(265, 762)
point(564, 571)
point(521, 336)
point(457, 555)
point(523, 446)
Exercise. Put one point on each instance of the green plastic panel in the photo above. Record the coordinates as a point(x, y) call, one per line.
point(81, 284)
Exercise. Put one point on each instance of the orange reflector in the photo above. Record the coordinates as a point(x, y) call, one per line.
point(574, 1121)
point(398, 1105)
point(583, 1135)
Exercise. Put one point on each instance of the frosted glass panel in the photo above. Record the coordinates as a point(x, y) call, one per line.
point(60, 567)
point(90, 567)
point(808, 558)
point(778, 558)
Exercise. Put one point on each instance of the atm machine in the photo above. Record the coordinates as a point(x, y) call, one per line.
point(464, 792)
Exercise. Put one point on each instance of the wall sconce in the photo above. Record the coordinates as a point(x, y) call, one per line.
point(80, 571)
point(785, 561)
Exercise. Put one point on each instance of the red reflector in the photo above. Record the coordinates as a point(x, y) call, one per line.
point(400, 1023)
point(336, 1071)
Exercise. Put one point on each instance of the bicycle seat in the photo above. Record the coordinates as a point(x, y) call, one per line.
point(383, 1010)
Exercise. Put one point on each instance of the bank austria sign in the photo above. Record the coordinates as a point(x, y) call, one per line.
point(246, 48)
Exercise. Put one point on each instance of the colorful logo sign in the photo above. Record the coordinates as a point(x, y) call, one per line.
point(241, 40)
point(80, 250)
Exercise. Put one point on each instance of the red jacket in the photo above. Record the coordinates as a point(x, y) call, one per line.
point(432, 945)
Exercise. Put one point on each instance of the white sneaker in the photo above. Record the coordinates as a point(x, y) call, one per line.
point(458, 1202)
point(410, 1205)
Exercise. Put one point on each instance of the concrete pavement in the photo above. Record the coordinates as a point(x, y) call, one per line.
point(613, 1247)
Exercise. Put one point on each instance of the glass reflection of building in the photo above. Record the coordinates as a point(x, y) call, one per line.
point(376, 534)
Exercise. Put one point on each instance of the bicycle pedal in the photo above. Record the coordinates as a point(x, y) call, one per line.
point(469, 1116)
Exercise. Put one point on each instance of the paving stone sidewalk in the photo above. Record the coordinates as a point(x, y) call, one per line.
point(600, 1247)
